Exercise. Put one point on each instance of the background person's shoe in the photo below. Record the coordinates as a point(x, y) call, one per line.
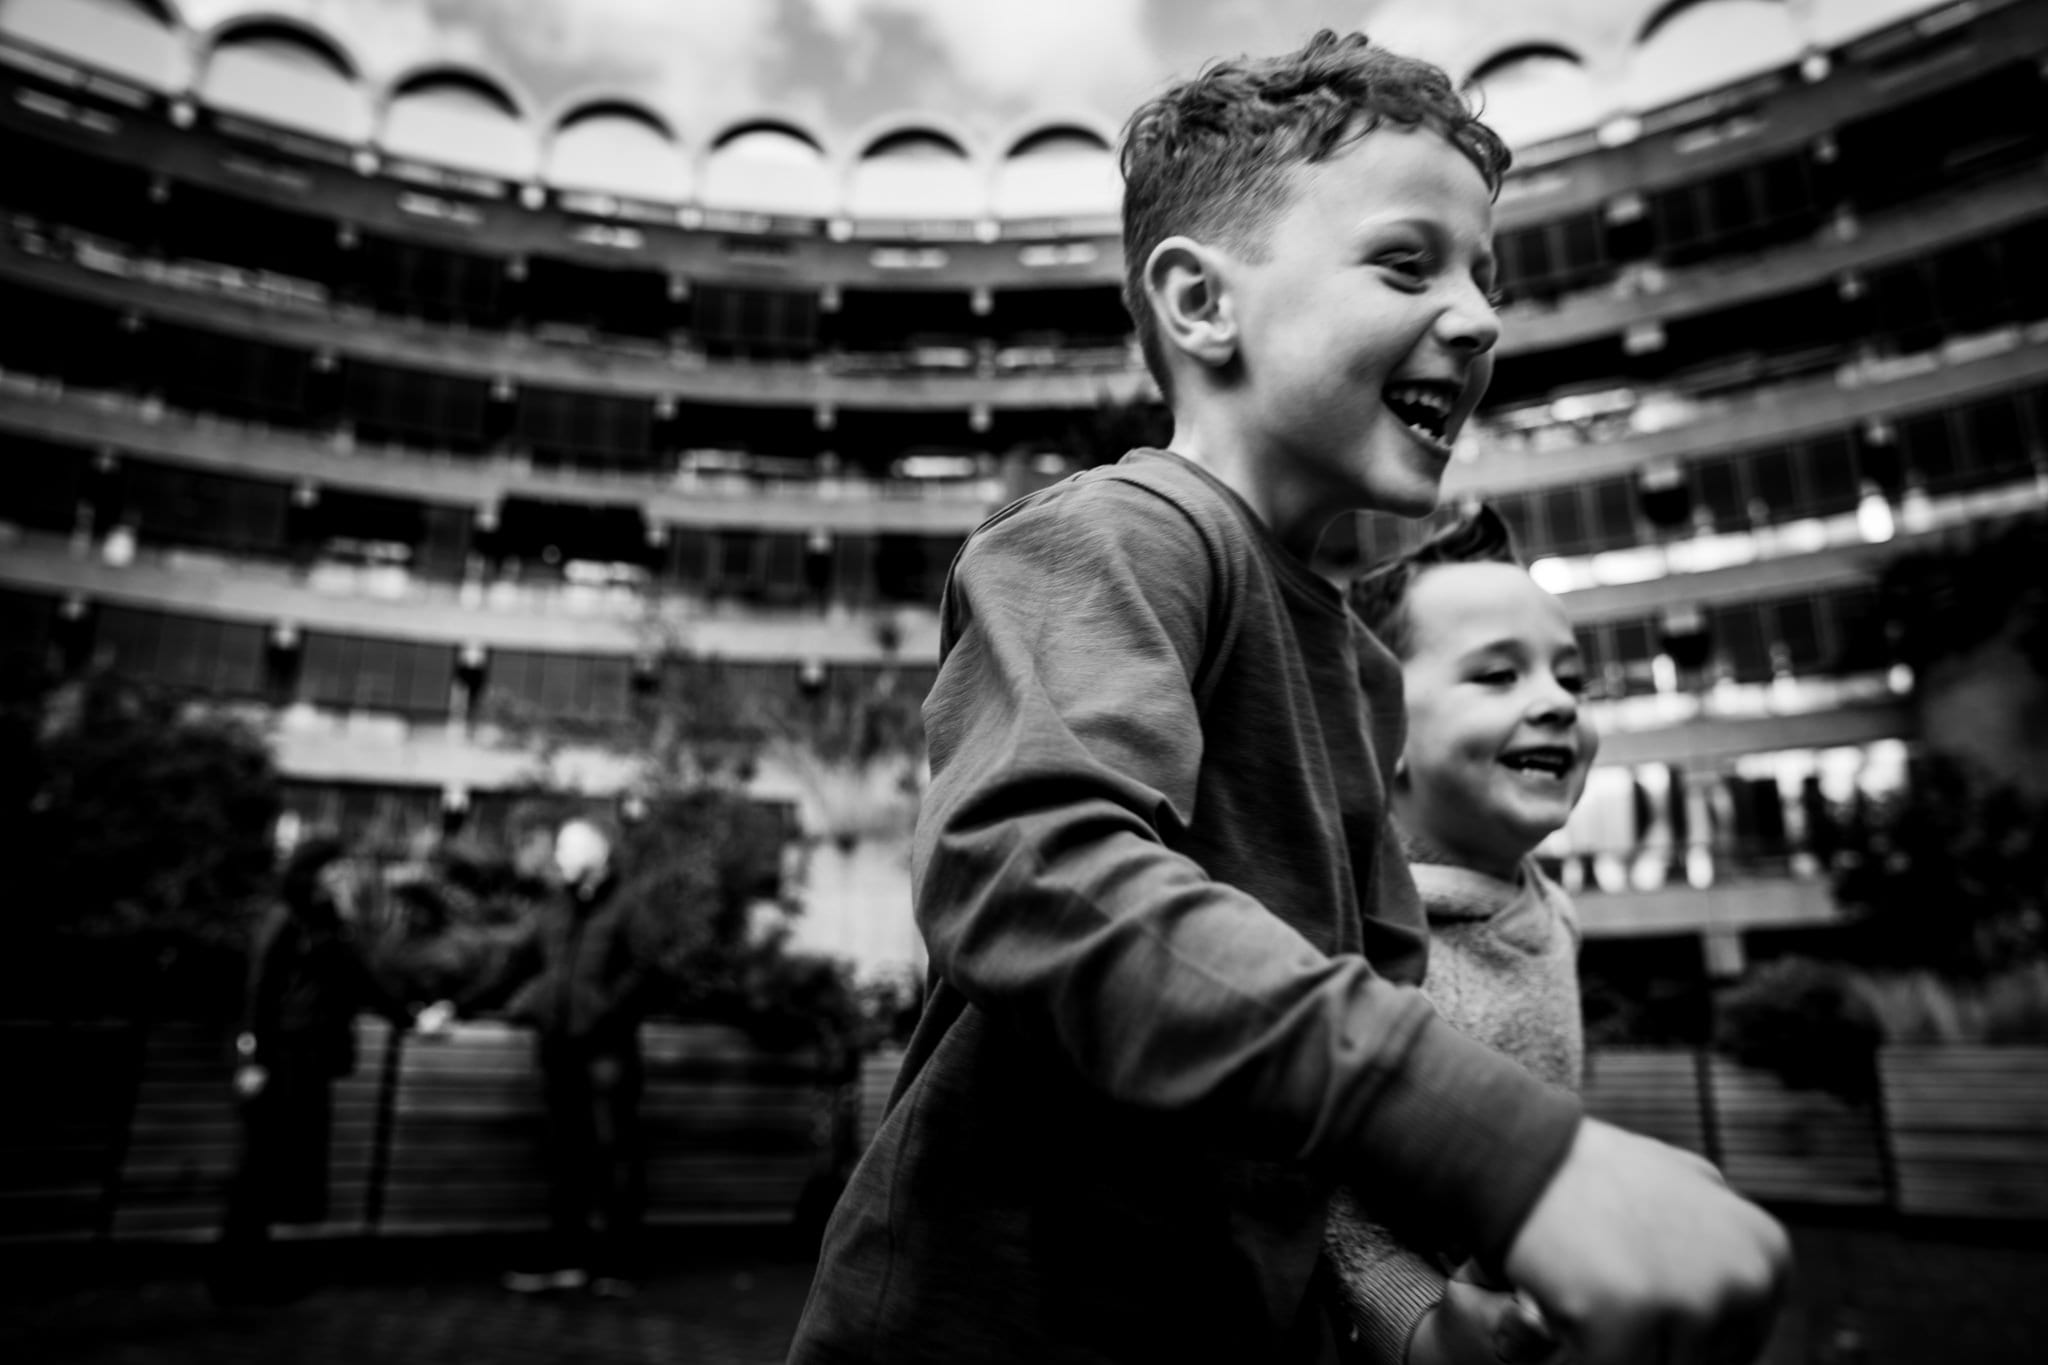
point(546, 1281)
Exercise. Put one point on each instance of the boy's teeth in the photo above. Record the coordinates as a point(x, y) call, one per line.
point(1426, 409)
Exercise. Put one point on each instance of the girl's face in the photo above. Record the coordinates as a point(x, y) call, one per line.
point(1498, 742)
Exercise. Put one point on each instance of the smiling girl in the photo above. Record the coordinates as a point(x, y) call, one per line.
point(1497, 753)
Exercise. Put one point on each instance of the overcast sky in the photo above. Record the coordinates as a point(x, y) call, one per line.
point(842, 63)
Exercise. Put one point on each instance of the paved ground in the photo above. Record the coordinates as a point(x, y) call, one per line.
point(729, 1302)
point(1869, 1294)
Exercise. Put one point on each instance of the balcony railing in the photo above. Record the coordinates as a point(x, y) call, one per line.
point(736, 476)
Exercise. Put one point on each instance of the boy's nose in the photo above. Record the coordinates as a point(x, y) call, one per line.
point(1469, 322)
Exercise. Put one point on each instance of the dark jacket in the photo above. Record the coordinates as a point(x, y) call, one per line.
point(308, 979)
point(576, 973)
point(1173, 948)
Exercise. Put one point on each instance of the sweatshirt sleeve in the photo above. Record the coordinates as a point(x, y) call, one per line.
point(1066, 746)
point(1385, 1289)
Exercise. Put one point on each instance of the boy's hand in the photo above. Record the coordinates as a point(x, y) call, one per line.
point(250, 1080)
point(1640, 1254)
point(1474, 1325)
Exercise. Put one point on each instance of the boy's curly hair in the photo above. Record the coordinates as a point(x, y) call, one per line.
point(1209, 158)
point(1380, 595)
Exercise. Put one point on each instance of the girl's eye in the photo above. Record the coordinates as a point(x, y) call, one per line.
point(1495, 677)
point(1572, 683)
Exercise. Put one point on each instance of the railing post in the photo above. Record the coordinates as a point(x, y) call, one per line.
point(1887, 1155)
point(383, 1121)
point(1710, 1114)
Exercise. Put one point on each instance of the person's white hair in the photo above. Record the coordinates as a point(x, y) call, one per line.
point(581, 850)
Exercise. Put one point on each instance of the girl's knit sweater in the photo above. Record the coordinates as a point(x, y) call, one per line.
point(1502, 969)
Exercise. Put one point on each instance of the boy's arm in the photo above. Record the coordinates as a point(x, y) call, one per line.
point(1065, 740)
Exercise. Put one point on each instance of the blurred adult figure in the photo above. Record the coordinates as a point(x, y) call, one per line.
point(308, 979)
point(578, 978)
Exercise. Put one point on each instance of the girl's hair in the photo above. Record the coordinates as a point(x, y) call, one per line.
point(1380, 595)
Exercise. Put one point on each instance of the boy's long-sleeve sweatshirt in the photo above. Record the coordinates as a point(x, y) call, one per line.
point(1169, 931)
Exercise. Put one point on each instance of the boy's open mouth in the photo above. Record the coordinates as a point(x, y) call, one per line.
point(1424, 406)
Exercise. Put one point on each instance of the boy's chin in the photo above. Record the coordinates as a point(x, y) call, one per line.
point(1414, 496)
point(1415, 509)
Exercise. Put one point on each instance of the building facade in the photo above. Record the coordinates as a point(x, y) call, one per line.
point(405, 415)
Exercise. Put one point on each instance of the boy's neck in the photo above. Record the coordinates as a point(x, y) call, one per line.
point(1244, 467)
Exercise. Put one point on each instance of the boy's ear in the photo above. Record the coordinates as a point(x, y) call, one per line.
point(1188, 288)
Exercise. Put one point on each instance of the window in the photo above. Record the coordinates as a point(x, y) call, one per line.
point(173, 506)
point(1738, 635)
point(1796, 623)
point(352, 671)
point(1564, 520)
point(1827, 468)
point(563, 687)
point(222, 657)
point(1718, 485)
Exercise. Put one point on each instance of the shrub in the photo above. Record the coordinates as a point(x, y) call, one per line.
point(2010, 1007)
point(142, 834)
point(1807, 1022)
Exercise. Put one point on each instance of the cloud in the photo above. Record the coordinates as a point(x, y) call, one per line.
point(1045, 53)
point(839, 64)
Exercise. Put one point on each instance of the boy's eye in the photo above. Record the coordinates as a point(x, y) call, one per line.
point(1494, 677)
point(1402, 261)
point(1573, 683)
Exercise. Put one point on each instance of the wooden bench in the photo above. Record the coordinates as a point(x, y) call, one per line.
point(1652, 1091)
point(1783, 1145)
point(185, 1136)
point(1968, 1129)
point(117, 1132)
point(732, 1134)
point(133, 1134)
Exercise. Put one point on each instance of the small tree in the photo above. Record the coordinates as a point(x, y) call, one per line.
point(144, 827)
point(1951, 876)
point(1809, 1022)
point(701, 860)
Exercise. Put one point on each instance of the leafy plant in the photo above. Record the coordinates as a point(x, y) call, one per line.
point(1809, 1022)
point(139, 824)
